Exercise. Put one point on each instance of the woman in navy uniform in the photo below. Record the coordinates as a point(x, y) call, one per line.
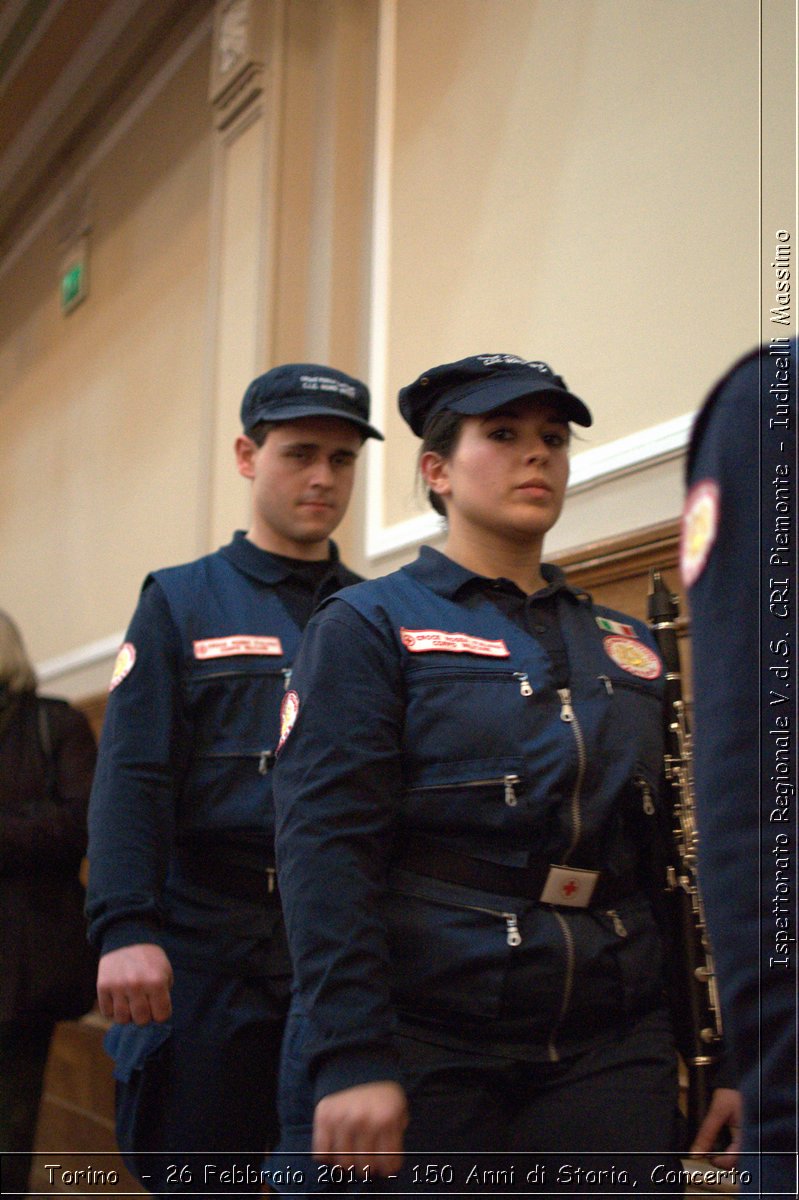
point(468, 773)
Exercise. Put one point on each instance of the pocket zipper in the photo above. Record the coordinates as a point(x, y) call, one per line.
point(446, 673)
point(270, 672)
point(512, 936)
point(509, 783)
point(266, 758)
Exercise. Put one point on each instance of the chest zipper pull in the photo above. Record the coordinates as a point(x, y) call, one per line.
point(512, 923)
point(618, 924)
point(510, 790)
point(525, 687)
point(566, 710)
point(271, 877)
point(648, 802)
point(265, 761)
point(286, 678)
point(608, 684)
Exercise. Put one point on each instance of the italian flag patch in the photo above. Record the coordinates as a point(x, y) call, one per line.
point(615, 627)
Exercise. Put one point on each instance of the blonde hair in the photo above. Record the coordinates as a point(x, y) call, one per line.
point(16, 669)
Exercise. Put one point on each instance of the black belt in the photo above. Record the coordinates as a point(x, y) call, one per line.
point(545, 883)
point(242, 879)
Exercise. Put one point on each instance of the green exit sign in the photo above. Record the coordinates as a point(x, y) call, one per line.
point(74, 277)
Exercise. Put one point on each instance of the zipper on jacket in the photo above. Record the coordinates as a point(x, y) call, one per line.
point(266, 758)
point(512, 934)
point(508, 782)
point(619, 927)
point(525, 687)
point(446, 673)
point(638, 686)
point(608, 682)
point(569, 717)
point(270, 672)
point(568, 985)
point(286, 677)
point(647, 800)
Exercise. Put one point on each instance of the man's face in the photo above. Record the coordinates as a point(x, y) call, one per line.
point(302, 479)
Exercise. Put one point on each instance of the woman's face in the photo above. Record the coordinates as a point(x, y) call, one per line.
point(508, 472)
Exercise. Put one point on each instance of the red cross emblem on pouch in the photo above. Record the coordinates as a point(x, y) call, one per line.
point(570, 886)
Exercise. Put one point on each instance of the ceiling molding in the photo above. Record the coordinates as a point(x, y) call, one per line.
point(65, 82)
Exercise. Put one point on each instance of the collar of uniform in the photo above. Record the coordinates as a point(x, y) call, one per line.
point(261, 564)
point(448, 578)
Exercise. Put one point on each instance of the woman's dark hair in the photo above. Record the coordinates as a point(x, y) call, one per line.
point(16, 669)
point(441, 436)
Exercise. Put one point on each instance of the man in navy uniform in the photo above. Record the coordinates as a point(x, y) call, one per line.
point(182, 902)
point(738, 563)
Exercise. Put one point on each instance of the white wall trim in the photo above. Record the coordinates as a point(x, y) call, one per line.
point(595, 468)
point(590, 469)
point(105, 649)
point(637, 453)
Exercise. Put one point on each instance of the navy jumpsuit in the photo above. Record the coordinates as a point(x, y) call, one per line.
point(446, 739)
point(181, 854)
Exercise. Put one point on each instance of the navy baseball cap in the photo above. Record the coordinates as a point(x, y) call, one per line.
point(296, 390)
point(482, 383)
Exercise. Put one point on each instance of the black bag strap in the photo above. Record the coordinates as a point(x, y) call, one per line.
point(46, 746)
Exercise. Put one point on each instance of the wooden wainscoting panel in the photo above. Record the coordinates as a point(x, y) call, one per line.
point(76, 1118)
point(93, 707)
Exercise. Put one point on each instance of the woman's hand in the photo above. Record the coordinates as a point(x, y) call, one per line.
point(725, 1110)
point(362, 1126)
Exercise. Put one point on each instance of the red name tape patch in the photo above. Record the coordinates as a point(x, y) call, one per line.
point(226, 647)
point(422, 641)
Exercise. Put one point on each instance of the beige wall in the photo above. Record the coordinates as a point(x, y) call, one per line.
point(99, 471)
point(573, 180)
point(576, 181)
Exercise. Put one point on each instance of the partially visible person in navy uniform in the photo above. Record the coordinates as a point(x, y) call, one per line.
point(738, 563)
point(182, 901)
point(467, 776)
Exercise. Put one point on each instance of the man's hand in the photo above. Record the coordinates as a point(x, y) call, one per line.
point(353, 1127)
point(725, 1110)
point(133, 984)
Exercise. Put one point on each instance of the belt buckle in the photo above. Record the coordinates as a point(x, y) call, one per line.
point(570, 886)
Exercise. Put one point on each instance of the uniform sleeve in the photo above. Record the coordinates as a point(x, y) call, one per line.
point(336, 786)
point(144, 748)
point(54, 834)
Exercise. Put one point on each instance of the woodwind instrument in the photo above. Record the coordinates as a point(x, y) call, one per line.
point(696, 1003)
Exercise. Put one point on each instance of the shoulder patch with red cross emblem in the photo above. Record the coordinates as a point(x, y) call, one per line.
point(289, 710)
point(700, 521)
point(633, 656)
point(123, 665)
